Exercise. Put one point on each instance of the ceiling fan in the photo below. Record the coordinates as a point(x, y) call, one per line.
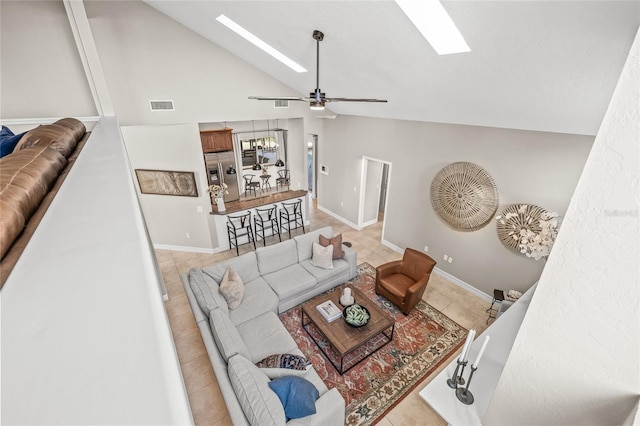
point(317, 98)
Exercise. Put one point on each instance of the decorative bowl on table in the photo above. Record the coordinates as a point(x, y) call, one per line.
point(356, 315)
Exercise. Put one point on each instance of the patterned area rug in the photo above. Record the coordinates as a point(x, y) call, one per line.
point(421, 342)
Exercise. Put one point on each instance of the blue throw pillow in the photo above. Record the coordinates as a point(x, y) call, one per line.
point(6, 132)
point(8, 144)
point(297, 395)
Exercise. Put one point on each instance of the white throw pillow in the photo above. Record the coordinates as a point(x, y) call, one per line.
point(232, 288)
point(322, 256)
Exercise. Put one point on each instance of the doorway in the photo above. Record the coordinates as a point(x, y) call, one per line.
point(312, 166)
point(376, 175)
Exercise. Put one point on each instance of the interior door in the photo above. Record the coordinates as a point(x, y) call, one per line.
point(383, 188)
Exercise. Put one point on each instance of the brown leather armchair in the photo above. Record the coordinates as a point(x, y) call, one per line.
point(403, 282)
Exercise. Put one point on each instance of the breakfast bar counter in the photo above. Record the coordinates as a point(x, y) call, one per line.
point(251, 203)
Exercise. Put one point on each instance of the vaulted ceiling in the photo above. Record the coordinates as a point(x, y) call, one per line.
point(534, 65)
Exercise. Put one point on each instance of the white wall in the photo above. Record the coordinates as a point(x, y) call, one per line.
point(531, 167)
point(575, 360)
point(42, 75)
point(169, 218)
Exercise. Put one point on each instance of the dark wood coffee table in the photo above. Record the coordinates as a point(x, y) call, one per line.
point(343, 338)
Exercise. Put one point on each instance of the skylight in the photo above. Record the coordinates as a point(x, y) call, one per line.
point(259, 43)
point(435, 24)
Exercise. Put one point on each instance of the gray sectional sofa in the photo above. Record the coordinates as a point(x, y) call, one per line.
point(276, 278)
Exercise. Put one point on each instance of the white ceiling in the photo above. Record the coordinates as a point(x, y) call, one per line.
point(534, 65)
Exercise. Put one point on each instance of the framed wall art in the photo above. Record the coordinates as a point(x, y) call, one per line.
point(166, 182)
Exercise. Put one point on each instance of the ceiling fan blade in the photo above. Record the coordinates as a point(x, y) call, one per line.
point(277, 98)
point(353, 100)
point(316, 98)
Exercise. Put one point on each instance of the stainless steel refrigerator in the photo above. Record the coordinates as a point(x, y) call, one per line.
point(221, 168)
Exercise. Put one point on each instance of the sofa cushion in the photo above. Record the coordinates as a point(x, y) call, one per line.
point(258, 299)
point(25, 179)
point(232, 288)
point(265, 335)
point(76, 126)
point(55, 136)
point(304, 243)
point(276, 257)
point(321, 274)
point(246, 265)
point(290, 281)
point(206, 291)
point(322, 256)
point(336, 242)
point(261, 406)
point(297, 395)
point(226, 336)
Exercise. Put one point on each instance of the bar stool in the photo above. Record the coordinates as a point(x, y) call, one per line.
point(265, 182)
point(237, 227)
point(265, 219)
point(291, 217)
point(498, 298)
point(250, 185)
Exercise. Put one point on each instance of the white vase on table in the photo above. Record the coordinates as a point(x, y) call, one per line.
point(220, 203)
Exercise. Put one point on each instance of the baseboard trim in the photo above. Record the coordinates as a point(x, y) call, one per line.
point(340, 218)
point(369, 223)
point(392, 246)
point(466, 286)
point(187, 248)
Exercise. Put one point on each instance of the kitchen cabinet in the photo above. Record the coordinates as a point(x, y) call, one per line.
point(216, 140)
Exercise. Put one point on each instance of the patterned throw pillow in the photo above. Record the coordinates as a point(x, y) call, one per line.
point(336, 242)
point(291, 361)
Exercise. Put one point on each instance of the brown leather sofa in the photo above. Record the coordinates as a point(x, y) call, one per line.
point(29, 178)
point(403, 282)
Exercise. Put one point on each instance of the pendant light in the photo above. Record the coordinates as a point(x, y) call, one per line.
point(257, 165)
point(279, 162)
point(231, 170)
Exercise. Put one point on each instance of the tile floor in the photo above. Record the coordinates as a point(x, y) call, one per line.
point(206, 401)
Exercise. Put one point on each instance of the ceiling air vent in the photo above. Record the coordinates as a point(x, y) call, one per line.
point(161, 105)
point(281, 103)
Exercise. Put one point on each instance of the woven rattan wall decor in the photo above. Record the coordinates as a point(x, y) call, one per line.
point(464, 195)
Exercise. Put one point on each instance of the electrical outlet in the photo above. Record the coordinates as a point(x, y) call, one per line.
point(199, 209)
point(188, 235)
point(341, 203)
point(450, 259)
point(426, 249)
point(445, 257)
point(355, 189)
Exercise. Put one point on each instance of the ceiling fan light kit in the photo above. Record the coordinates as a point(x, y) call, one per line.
point(317, 98)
